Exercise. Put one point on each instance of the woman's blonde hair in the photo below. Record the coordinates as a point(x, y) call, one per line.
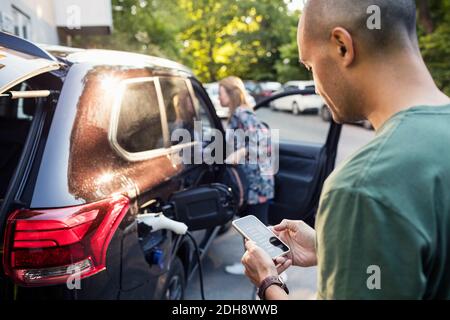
point(235, 89)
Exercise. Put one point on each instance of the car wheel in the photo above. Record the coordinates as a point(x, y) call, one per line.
point(176, 281)
point(295, 109)
point(325, 114)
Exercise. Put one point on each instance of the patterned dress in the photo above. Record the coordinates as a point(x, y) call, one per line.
point(259, 173)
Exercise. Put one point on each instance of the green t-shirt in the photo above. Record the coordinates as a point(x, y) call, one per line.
point(383, 225)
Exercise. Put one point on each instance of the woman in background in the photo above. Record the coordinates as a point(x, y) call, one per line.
point(260, 179)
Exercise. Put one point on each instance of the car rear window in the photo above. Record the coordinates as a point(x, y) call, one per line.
point(139, 128)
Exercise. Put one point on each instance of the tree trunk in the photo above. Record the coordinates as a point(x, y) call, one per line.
point(425, 16)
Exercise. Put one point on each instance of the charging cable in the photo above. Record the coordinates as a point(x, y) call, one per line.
point(158, 221)
point(199, 262)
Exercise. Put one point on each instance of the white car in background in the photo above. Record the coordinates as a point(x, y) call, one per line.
point(299, 103)
point(213, 91)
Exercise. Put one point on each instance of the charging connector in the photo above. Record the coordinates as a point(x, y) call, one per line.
point(158, 221)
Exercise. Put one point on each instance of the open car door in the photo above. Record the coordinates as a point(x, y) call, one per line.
point(307, 156)
point(21, 60)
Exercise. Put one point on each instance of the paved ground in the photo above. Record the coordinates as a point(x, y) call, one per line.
point(228, 248)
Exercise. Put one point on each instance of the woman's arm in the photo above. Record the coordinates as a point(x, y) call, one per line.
point(237, 157)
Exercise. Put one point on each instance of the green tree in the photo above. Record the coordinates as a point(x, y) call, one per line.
point(216, 38)
point(275, 31)
point(235, 37)
point(253, 39)
point(204, 33)
point(148, 27)
point(288, 67)
point(434, 31)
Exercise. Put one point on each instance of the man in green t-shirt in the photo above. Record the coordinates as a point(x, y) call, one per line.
point(383, 224)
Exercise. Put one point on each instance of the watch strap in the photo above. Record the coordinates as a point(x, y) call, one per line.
point(268, 282)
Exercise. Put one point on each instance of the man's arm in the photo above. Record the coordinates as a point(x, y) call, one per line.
point(259, 266)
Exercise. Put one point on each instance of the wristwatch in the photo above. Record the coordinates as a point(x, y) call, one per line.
point(268, 282)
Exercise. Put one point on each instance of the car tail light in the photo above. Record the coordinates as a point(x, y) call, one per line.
point(44, 247)
point(267, 93)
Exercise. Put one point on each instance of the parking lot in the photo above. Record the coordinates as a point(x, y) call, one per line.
point(228, 248)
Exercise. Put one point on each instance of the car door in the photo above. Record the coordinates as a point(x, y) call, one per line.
point(306, 156)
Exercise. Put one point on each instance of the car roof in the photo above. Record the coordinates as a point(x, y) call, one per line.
point(68, 55)
point(270, 82)
point(270, 85)
point(111, 57)
point(59, 51)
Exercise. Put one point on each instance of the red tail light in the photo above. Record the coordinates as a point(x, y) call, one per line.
point(267, 93)
point(44, 247)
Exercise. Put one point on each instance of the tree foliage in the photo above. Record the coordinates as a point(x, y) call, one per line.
point(237, 37)
point(143, 26)
point(253, 39)
point(288, 66)
point(434, 31)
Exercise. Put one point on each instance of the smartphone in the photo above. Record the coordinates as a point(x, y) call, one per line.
point(251, 228)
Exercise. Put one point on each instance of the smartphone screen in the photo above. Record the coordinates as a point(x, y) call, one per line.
point(253, 229)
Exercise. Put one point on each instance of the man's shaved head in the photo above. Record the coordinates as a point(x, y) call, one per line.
point(398, 21)
point(346, 52)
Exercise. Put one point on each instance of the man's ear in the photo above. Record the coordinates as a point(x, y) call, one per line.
point(343, 42)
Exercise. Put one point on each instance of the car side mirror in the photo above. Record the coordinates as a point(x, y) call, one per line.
point(204, 207)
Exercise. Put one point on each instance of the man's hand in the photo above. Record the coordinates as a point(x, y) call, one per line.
point(258, 264)
point(301, 238)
